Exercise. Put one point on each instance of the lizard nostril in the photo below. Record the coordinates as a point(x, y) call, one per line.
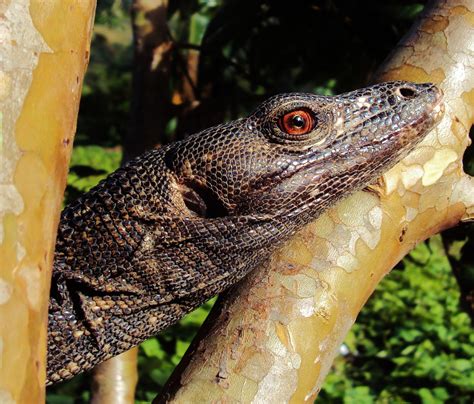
point(406, 92)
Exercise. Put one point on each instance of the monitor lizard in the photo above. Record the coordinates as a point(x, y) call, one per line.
point(183, 222)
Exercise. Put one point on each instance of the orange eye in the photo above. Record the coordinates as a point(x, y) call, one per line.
point(298, 122)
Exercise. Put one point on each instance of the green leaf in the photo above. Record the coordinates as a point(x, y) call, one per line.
point(197, 28)
point(152, 348)
point(59, 399)
point(181, 347)
point(358, 395)
point(462, 365)
point(436, 395)
point(410, 335)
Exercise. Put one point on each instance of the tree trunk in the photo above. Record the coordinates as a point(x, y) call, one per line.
point(43, 54)
point(274, 336)
point(151, 108)
point(115, 380)
point(151, 97)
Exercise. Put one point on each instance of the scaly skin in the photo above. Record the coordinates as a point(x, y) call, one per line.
point(182, 223)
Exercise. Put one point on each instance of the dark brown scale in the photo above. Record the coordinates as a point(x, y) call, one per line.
point(180, 224)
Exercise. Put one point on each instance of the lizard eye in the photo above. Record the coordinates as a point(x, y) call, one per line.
point(298, 122)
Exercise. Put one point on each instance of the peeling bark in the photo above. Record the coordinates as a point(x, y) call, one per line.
point(274, 336)
point(43, 55)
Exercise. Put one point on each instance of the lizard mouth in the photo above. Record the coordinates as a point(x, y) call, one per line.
point(438, 108)
point(434, 110)
point(416, 128)
point(410, 124)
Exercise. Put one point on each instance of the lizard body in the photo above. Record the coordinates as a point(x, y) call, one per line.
point(182, 223)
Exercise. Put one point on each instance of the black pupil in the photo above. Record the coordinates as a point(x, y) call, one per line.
point(298, 121)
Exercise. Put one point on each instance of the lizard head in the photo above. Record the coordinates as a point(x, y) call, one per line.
point(300, 152)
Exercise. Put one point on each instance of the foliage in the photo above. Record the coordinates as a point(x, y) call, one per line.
point(411, 343)
point(89, 165)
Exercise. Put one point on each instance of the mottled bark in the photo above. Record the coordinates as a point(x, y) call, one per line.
point(43, 55)
point(273, 337)
point(114, 381)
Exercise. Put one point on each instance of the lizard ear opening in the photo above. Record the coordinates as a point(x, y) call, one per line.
point(201, 201)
